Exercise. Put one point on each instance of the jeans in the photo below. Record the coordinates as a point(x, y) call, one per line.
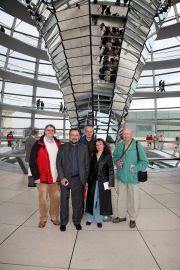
point(96, 208)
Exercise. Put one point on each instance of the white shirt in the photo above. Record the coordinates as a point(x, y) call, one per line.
point(52, 150)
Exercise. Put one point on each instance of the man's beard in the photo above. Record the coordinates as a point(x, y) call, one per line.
point(74, 142)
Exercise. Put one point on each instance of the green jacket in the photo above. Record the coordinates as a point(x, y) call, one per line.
point(130, 158)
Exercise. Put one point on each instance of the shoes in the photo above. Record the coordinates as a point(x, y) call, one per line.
point(78, 227)
point(88, 223)
point(42, 224)
point(107, 218)
point(117, 220)
point(55, 221)
point(132, 224)
point(63, 228)
point(99, 224)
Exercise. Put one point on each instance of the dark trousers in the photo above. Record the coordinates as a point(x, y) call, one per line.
point(76, 188)
point(9, 143)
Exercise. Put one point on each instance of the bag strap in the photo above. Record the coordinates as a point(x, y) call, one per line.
point(124, 152)
point(137, 150)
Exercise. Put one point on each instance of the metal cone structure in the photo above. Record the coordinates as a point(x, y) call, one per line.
point(98, 50)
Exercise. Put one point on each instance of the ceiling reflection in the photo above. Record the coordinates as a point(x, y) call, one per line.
point(98, 50)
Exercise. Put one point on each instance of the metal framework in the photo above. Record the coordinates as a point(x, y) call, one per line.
point(75, 33)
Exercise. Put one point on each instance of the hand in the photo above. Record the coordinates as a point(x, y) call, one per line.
point(132, 169)
point(119, 164)
point(64, 182)
point(37, 181)
point(86, 186)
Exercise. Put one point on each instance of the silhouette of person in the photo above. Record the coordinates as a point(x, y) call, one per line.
point(103, 7)
point(42, 105)
point(163, 86)
point(125, 2)
point(10, 138)
point(61, 107)
point(38, 103)
point(108, 11)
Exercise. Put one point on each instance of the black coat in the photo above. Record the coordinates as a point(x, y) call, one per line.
point(102, 170)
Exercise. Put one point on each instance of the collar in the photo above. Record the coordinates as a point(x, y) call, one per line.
point(128, 144)
point(48, 140)
point(73, 145)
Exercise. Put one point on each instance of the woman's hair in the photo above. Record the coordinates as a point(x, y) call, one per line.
point(106, 146)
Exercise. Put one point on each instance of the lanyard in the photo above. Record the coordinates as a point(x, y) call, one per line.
point(124, 152)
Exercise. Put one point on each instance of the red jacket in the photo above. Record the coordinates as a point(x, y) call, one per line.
point(10, 137)
point(40, 163)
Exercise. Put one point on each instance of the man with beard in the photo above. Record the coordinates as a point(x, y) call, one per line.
point(73, 167)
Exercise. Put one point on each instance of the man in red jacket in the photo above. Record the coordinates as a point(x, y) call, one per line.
point(43, 168)
point(10, 138)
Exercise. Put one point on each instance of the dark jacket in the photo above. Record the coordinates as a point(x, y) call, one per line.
point(90, 144)
point(63, 162)
point(40, 163)
point(30, 141)
point(103, 171)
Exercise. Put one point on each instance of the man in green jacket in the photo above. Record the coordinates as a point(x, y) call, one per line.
point(126, 159)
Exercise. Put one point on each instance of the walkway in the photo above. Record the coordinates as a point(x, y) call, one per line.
point(153, 245)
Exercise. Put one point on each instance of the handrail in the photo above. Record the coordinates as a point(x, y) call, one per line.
point(164, 141)
point(151, 159)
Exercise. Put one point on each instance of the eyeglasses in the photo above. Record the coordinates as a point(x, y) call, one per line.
point(50, 130)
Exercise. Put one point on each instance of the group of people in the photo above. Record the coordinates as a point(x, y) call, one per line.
point(161, 86)
point(62, 108)
point(149, 139)
point(125, 2)
point(107, 9)
point(40, 104)
point(111, 41)
point(85, 162)
point(157, 140)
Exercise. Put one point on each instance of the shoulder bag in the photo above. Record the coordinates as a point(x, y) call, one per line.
point(142, 176)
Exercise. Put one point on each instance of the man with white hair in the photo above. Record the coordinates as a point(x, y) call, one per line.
point(126, 159)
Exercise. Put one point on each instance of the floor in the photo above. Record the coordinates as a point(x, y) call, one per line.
point(154, 244)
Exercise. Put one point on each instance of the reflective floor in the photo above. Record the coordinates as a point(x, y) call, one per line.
point(153, 245)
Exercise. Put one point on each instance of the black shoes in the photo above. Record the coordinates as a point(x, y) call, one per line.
point(78, 227)
point(117, 220)
point(99, 224)
point(88, 223)
point(132, 224)
point(63, 228)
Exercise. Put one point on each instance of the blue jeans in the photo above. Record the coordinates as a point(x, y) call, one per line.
point(96, 208)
